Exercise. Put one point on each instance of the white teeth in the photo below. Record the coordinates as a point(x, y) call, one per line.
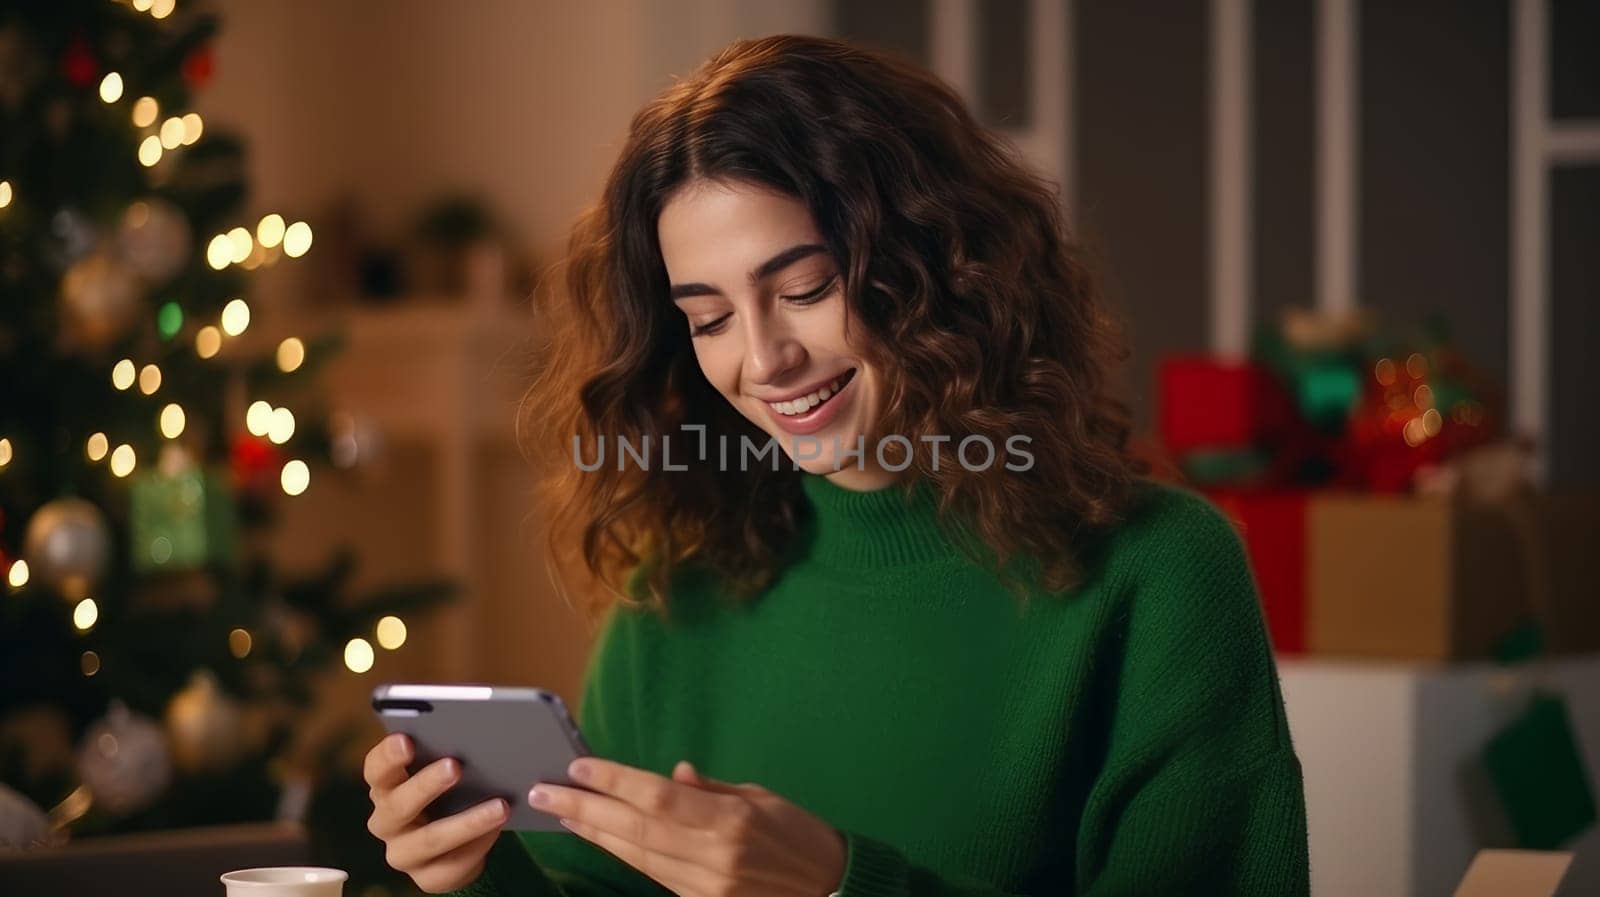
point(806, 403)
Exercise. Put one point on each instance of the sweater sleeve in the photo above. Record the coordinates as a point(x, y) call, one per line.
point(1200, 791)
point(561, 864)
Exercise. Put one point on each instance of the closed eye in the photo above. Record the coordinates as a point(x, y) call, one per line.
point(709, 327)
point(816, 294)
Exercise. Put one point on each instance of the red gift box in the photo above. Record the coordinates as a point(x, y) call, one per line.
point(1207, 403)
point(1272, 526)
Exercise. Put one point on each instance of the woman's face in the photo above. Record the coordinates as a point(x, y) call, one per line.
point(766, 314)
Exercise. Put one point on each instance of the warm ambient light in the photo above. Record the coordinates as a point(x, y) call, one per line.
point(282, 426)
point(97, 446)
point(122, 460)
point(358, 655)
point(123, 374)
point(297, 239)
point(391, 632)
point(207, 341)
point(85, 614)
point(296, 477)
point(111, 88)
point(172, 421)
point(235, 317)
point(258, 418)
point(291, 353)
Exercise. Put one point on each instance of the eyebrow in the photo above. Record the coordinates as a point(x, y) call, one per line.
point(766, 269)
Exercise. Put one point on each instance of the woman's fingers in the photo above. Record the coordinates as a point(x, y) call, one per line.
point(455, 869)
point(420, 847)
point(396, 810)
point(385, 766)
point(677, 875)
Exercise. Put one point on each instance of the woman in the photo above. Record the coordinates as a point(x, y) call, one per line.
point(953, 643)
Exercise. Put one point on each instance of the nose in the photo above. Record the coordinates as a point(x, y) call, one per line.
point(771, 351)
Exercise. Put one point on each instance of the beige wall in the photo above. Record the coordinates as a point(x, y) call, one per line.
point(524, 102)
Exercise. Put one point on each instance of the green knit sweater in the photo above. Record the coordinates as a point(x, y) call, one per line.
point(1123, 738)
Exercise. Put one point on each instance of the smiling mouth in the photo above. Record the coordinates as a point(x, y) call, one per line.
point(808, 403)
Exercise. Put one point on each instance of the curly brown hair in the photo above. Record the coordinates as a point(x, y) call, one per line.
point(981, 313)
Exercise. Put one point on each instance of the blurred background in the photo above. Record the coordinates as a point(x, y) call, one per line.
point(265, 329)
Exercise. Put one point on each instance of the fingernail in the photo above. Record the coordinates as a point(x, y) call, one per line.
point(579, 771)
point(450, 767)
point(539, 797)
point(399, 748)
point(569, 825)
point(495, 809)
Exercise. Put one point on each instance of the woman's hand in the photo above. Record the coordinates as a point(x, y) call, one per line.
point(439, 855)
point(697, 836)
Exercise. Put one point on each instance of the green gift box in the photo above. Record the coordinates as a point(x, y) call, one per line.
point(180, 521)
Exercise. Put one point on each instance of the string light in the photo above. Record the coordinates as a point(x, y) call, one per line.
point(240, 240)
point(192, 128)
point(5, 194)
point(142, 5)
point(172, 133)
point(5, 451)
point(111, 88)
point(282, 426)
point(1432, 422)
point(297, 239)
point(358, 655)
point(172, 421)
point(122, 460)
point(145, 110)
point(1416, 366)
point(149, 379)
point(160, 9)
point(258, 418)
point(1423, 397)
point(17, 576)
point(150, 151)
point(235, 316)
point(169, 320)
point(90, 663)
point(98, 446)
point(391, 632)
point(84, 615)
point(207, 341)
point(296, 477)
point(269, 232)
point(239, 643)
point(122, 375)
point(291, 354)
point(219, 252)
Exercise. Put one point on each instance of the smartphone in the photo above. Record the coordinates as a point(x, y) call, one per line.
point(506, 739)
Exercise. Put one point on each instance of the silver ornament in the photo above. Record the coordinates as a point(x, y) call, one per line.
point(123, 760)
point(205, 726)
point(100, 299)
point(68, 545)
point(22, 823)
point(153, 240)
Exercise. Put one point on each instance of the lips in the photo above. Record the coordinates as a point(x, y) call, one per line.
point(813, 411)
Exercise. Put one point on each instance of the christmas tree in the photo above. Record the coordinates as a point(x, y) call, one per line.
point(144, 447)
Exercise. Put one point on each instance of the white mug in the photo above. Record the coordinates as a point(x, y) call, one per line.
point(285, 881)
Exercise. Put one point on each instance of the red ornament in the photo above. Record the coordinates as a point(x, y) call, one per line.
point(255, 462)
point(78, 63)
point(198, 66)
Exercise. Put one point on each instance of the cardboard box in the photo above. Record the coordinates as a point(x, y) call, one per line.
point(1412, 577)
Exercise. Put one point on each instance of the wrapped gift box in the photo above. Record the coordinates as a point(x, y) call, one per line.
point(1207, 403)
point(1272, 526)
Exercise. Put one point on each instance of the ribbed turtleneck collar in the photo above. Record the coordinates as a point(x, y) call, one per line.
point(876, 529)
